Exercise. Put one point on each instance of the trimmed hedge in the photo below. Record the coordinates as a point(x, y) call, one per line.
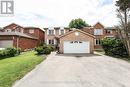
point(114, 47)
point(9, 52)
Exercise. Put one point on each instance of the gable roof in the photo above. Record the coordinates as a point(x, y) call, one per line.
point(98, 25)
point(78, 31)
point(12, 26)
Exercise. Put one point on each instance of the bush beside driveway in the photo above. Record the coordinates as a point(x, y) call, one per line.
point(14, 68)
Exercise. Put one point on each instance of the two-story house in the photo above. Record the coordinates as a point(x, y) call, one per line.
point(14, 35)
point(85, 40)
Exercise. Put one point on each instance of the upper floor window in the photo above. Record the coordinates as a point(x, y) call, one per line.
point(31, 31)
point(62, 32)
point(51, 32)
point(98, 32)
point(8, 30)
point(109, 31)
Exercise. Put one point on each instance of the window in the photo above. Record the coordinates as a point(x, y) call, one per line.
point(51, 32)
point(51, 42)
point(109, 31)
point(8, 30)
point(61, 32)
point(98, 32)
point(97, 42)
point(31, 31)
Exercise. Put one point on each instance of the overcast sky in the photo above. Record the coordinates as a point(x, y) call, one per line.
point(50, 13)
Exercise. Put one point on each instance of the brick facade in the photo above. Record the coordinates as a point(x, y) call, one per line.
point(82, 37)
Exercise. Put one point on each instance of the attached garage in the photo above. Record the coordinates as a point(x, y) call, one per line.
point(76, 47)
point(76, 41)
point(6, 43)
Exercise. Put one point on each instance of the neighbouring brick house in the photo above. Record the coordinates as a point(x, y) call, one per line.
point(14, 35)
point(96, 33)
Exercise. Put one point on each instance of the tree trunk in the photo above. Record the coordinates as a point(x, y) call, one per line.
point(126, 33)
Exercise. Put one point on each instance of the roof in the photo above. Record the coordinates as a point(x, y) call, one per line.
point(98, 24)
point(79, 31)
point(17, 34)
point(33, 28)
point(110, 28)
point(14, 25)
point(57, 28)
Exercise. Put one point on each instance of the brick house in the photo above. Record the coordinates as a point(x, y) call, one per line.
point(14, 35)
point(98, 32)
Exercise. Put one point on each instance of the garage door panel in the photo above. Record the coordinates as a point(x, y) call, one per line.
point(82, 47)
point(6, 43)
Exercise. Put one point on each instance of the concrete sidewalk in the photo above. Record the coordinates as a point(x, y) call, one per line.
point(78, 71)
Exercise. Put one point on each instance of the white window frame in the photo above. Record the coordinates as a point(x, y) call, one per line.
point(109, 31)
point(60, 30)
point(98, 32)
point(31, 31)
point(99, 42)
point(8, 30)
point(51, 43)
point(51, 28)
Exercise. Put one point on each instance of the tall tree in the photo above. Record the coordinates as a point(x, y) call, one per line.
point(78, 23)
point(123, 14)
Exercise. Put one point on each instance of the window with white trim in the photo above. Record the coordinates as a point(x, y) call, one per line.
point(97, 41)
point(51, 32)
point(51, 41)
point(8, 30)
point(31, 31)
point(98, 32)
point(109, 31)
point(62, 32)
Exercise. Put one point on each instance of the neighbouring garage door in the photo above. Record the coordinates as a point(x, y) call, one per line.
point(76, 47)
point(6, 43)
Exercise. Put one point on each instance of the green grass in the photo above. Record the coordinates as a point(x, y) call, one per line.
point(12, 69)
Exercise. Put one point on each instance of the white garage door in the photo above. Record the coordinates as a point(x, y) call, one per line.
point(6, 43)
point(76, 47)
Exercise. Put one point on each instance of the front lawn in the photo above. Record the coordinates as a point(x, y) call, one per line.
point(12, 69)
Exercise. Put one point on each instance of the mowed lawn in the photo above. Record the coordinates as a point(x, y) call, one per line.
point(12, 69)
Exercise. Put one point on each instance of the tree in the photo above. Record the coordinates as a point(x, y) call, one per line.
point(78, 23)
point(123, 14)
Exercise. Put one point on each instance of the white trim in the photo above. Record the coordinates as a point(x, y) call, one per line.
point(47, 41)
point(54, 31)
point(47, 32)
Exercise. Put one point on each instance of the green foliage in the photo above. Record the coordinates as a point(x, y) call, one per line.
point(114, 47)
point(123, 4)
point(78, 23)
point(44, 49)
point(9, 52)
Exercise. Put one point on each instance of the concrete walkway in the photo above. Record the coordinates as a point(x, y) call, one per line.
point(78, 71)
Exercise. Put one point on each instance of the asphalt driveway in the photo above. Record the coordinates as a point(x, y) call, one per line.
point(78, 71)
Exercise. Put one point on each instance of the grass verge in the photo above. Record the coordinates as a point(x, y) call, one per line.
point(12, 69)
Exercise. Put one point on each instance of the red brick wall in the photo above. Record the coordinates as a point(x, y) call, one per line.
point(25, 43)
point(37, 33)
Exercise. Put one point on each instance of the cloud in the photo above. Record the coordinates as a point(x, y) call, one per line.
point(46, 13)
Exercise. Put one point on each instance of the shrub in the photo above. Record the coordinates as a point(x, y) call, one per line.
point(9, 52)
point(39, 50)
point(45, 49)
point(114, 47)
